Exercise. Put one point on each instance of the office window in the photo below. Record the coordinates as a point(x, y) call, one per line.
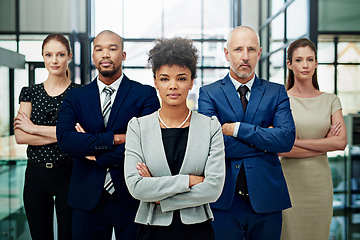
point(206, 22)
point(297, 19)
point(4, 99)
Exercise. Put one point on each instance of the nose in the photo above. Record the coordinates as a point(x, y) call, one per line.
point(305, 64)
point(54, 59)
point(245, 56)
point(105, 53)
point(173, 84)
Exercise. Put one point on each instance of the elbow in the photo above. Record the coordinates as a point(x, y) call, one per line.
point(289, 141)
point(342, 145)
point(19, 139)
point(134, 191)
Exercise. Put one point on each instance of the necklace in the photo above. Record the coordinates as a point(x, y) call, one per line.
point(182, 124)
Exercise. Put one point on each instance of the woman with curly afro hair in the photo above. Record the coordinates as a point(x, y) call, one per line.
point(174, 158)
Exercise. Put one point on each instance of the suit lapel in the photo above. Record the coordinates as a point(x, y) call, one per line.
point(231, 94)
point(257, 92)
point(121, 94)
point(157, 146)
point(94, 99)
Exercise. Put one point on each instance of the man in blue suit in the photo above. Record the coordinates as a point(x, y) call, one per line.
point(92, 126)
point(257, 124)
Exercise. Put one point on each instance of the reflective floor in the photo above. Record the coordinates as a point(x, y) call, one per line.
point(13, 224)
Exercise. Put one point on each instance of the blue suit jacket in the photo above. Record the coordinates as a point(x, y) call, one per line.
point(256, 145)
point(82, 106)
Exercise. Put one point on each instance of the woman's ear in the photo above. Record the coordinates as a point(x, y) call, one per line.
point(288, 63)
point(192, 84)
point(155, 84)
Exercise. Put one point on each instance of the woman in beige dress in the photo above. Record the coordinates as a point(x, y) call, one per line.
point(320, 128)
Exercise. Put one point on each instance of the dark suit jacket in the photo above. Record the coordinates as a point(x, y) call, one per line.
point(256, 145)
point(82, 106)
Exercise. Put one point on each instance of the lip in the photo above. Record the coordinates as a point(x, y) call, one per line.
point(305, 72)
point(105, 63)
point(54, 67)
point(245, 65)
point(173, 95)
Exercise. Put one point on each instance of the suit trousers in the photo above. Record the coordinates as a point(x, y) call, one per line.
point(110, 213)
point(44, 188)
point(241, 222)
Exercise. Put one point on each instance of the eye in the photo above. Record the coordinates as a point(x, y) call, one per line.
point(113, 49)
point(163, 79)
point(62, 54)
point(311, 60)
point(182, 79)
point(237, 49)
point(98, 50)
point(252, 49)
point(297, 60)
point(47, 55)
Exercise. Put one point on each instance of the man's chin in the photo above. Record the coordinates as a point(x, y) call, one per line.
point(108, 73)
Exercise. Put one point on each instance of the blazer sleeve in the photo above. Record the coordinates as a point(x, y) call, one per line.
point(73, 142)
point(278, 139)
point(147, 189)
point(115, 157)
point(234, 147)
point(210, 189)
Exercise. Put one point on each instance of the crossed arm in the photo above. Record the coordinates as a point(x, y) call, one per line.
point(335, 139)
point(177, 191)
point(26, 132)
point(118, 139)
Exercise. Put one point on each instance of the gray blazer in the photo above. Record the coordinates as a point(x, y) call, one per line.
point(204, 156)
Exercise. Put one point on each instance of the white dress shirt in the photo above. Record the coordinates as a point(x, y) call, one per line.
point(115, 85)
point(237, 84)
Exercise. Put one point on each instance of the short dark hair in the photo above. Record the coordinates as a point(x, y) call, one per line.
point(174, 51)
point(302, 42)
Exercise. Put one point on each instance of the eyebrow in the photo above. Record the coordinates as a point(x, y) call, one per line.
point(180, 74)
point(55, 52)
point(110, 45)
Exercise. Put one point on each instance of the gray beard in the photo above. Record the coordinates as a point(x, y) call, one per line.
point(241, 75)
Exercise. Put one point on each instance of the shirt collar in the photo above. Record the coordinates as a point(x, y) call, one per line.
point(115, 85)
point(237, 84)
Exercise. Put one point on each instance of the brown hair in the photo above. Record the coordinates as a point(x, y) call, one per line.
point(302, 42)
point(60, 38)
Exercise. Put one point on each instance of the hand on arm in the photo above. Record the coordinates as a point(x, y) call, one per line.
point(228, 129)
point(26, 132)
point(144, 172)
point(335, 139)
point(119, 139)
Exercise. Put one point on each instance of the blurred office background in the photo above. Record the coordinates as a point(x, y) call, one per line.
point(331, 24)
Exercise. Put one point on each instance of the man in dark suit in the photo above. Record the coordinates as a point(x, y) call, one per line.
point(92, 126)
point(257, 124)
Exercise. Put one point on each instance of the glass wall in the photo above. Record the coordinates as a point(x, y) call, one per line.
point(333, 27)
point(4, 98)
point(206, 22)
point(281, 22)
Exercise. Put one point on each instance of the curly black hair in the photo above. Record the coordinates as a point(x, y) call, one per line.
point(174, 51)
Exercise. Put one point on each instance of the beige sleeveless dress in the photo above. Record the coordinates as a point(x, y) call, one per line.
point(309, 179)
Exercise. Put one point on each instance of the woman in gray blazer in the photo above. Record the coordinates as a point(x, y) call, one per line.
point(174, 158)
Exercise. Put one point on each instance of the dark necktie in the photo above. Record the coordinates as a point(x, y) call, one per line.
point(108, 185)
point(241, 185)
point(243, 89)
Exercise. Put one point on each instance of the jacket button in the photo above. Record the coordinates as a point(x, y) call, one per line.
point(237, 166)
